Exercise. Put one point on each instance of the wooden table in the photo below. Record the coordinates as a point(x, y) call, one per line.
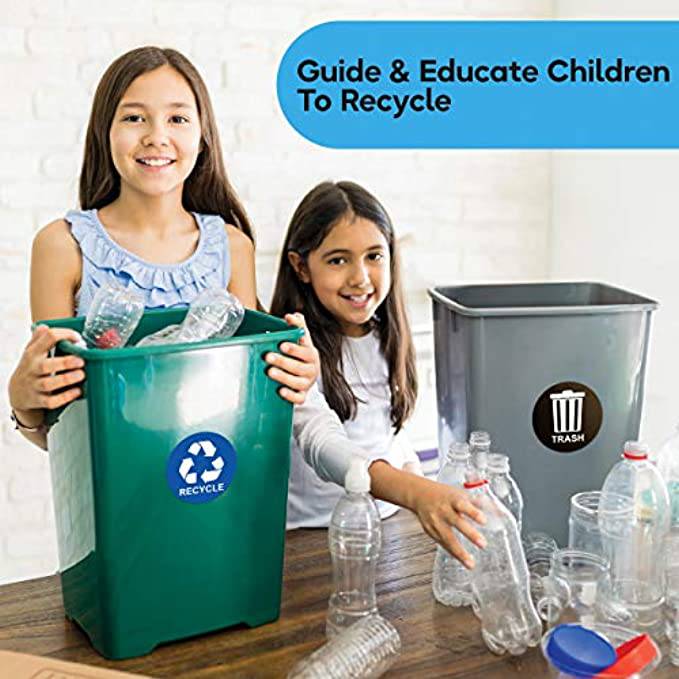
point(437, 641)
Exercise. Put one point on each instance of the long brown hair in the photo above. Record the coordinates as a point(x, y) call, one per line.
point(322, 208)
point(207, 189)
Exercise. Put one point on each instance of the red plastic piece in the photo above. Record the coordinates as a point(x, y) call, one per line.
point(633, 656)
point(474, 484)
point(109, 339)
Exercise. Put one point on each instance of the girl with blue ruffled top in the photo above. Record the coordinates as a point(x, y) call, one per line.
point(158, 215)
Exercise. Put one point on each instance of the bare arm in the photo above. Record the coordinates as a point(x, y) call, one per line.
point(243, 281)
point(297, 370)
point(56, 266)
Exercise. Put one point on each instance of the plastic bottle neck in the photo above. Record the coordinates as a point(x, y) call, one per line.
point(457, 458)
point(635, 457)
point(498, 464)
point(635, 450)
point(356, 494)
point(469, 485)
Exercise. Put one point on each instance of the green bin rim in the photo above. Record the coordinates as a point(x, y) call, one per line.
point(637, 302)
point(285, 333)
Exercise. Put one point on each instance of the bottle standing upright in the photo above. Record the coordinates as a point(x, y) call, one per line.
point(505, 487)
point(500, 584)
point(634, 519)
point(451, 581)
point(667, 462)
point(479, 446)
point(354, 538)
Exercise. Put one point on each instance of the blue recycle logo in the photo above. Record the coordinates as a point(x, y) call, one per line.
point(201, 467)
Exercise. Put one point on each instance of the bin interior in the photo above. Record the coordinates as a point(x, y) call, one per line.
point(254, 324)
point(540, 295)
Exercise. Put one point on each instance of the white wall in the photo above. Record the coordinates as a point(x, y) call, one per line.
point(614, 220)
point(464, 215)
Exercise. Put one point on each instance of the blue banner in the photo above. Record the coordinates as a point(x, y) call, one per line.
point(484, 84)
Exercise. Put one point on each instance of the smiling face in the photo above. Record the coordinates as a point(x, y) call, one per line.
point(349, 272)
point(155, 135)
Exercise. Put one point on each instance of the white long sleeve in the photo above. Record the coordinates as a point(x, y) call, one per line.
point(323, 446)
point(324, 443)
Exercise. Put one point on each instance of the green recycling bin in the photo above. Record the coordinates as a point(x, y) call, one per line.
point(170, 480)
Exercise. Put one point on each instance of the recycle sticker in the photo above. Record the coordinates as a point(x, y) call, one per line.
point(567, 416)
point(201, 467)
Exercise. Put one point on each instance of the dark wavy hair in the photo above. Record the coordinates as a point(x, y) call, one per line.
point(322, 208)
point(207, 189)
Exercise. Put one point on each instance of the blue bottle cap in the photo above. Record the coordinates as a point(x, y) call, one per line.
point(578, 650)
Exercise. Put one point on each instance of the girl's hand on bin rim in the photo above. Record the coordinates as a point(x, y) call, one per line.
point(298, 369)
point(38, 376)
point(443, 511)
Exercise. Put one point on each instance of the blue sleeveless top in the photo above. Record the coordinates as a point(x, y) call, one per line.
point(160, 285)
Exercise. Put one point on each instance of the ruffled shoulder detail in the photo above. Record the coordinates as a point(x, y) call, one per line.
point(161, 285)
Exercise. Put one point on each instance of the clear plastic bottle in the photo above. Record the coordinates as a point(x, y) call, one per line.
point(451, 581)
point(509, 621)
point(667, 461)
point(504, 486)
point(214, 313)
point(367, 649)
point(538, 549)
point(212, 309)
point(479, 446)
point(112, 317)
point(634, 519)
point(354, 538)
point(673, 633)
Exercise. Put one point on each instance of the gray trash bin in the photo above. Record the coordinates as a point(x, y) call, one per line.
point(555, 373)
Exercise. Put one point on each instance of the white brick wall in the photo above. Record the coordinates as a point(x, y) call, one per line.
point(467, 215)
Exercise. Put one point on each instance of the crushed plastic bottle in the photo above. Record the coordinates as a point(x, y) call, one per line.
point(509, 621)
point(215, 313)
point(505, 487)
point(451, 581)
point(112, 317)
point(634, 519)
point(367, 649)
point(355, 539)
point(479, 446)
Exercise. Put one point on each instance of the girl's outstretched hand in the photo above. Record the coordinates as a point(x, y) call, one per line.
point(298, 369)
point(37, 377)
point(443, 511)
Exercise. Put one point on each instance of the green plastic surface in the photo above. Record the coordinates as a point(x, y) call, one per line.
point(139, 566)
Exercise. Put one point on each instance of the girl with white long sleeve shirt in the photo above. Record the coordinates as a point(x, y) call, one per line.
point(340, 268)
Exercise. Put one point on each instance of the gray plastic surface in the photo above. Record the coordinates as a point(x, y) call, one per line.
point(499, 347)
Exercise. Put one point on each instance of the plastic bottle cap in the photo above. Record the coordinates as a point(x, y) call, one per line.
point(357, 479)
point(474, 484)
point(575, 649)
point(635, 450)
point(633, 656)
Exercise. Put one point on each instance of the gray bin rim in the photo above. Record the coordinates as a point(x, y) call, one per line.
point(636, 302)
